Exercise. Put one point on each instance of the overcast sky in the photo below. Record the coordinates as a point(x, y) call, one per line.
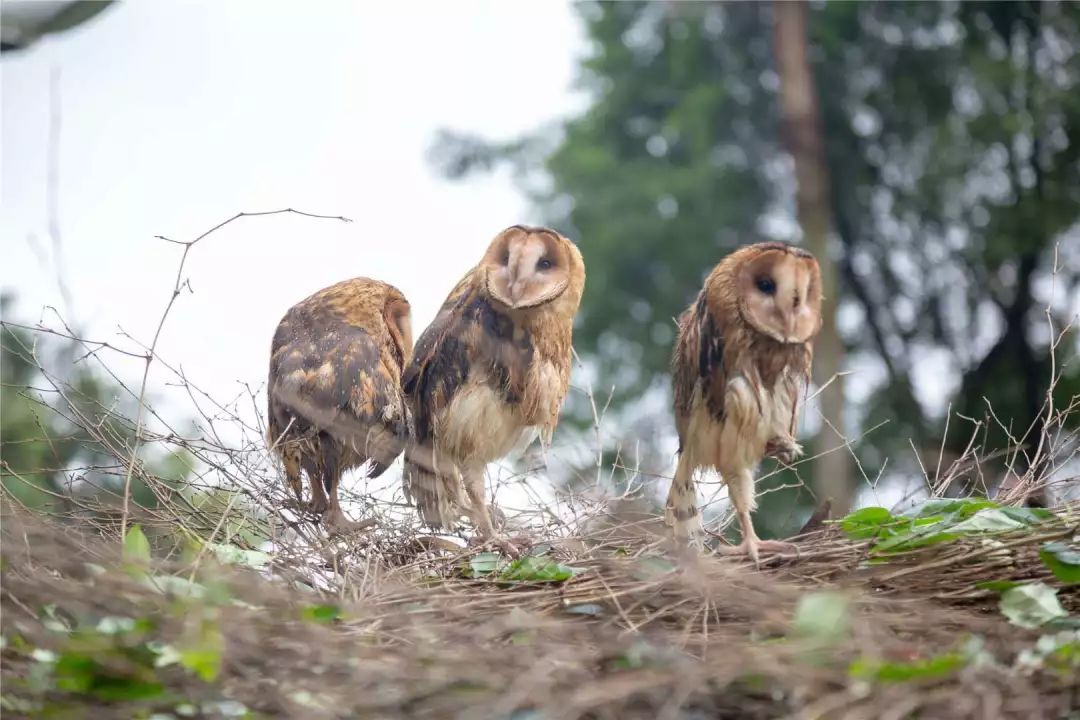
point(175, 116)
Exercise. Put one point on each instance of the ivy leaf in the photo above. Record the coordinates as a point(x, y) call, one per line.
point(998, 585)
point(988, 520)
point(938, 666)
point(322, 614)
point(537, 569)
point(232, 555)
point(484, 563)
point(960, 507)
point(203, 656)
point(867, 523)
point(1063, 561)
point(822, 616)
point(136, 546)
point(1031, 606)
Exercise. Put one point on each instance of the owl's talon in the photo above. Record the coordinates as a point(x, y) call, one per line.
point(786, 450)
point(753, 547)
point(496, 544)
point(317, 506)
point(336, 523)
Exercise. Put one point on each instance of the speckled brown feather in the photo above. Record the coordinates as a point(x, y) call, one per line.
point(714, 344)
point(476, 342)
point(335, 373)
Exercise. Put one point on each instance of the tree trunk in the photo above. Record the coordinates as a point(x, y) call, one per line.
point(803, 136)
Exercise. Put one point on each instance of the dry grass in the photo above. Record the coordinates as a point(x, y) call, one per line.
point(634, 635)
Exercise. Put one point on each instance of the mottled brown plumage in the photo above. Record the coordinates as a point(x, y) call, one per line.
point(743, 351)
point(491, 369)
point(335, 399)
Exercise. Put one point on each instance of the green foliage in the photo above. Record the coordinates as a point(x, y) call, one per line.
point(936, 521)
point(322, 614)
point(1063, 560)
point(537, 569)
point(484, 563)
point(1032, 605)
point(528, 568)
point(136, 546)
point(938, 666)
point(49, 453)
point(823, 617)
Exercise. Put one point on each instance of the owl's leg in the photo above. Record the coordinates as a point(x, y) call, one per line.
point(482, 514)
point(334, 520)
point(681, 510)
point(292, 476)
point(740, 485)
point(478, 507)
point(318, 502)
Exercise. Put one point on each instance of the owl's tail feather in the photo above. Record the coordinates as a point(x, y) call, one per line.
point(433, 488)
point(682, 512)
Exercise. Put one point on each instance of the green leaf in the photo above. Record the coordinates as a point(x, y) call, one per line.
point(136, 546)
point(998, 585)
point(1063, 561)
point(175, 586)
point(232, 555)
point(867, 523)
point(78, 673)
point(938, 666)
point(961, 507)
point(988, 520)
point(537, 569)
point(822, 616)
point(202, 655)
point(916, 538)
point(322, 614)
point(1030, 606)
point(1028, 516)
point(485, 563)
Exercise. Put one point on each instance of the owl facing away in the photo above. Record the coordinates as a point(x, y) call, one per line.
point(335, 399)
point(742, 355)
point(492, 368)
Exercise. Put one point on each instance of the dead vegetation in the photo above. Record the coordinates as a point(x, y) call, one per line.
point(630, 634)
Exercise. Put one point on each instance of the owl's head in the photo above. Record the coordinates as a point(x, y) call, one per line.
point(779, 291)
point(527, 267)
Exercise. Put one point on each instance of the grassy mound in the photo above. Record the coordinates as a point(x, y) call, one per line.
point(949, 612)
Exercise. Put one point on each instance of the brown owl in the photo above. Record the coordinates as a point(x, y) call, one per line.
point(335, 399)
point(743, 352)
point(493, 367)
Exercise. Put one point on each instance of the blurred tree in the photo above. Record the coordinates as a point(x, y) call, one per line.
point(49, 458)
point(952, 139)
point(805, 142)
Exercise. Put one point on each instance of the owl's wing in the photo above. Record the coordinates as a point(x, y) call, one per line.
point(337, 381)
point(698, 364)
point(467, 333)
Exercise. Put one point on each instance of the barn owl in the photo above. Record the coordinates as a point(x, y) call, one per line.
point(491, 370)
point(335, 399)
point(743, 351)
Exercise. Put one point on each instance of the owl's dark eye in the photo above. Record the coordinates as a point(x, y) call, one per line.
point(506, 258)
point(543, 264)
point(766, 285)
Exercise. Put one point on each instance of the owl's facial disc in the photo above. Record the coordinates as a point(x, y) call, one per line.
point(780, 295)
point(524, 270)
